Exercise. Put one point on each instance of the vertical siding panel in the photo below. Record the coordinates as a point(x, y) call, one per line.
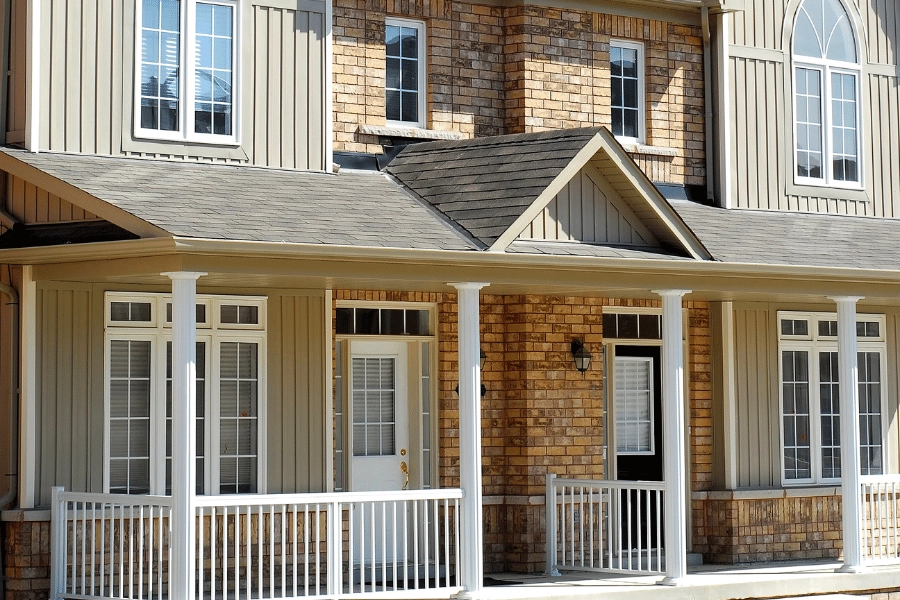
point(764, 401)
point(753, 401)
point(73, 75)
point(57, 90)
point(743, 367)
point(288, 91)
point(48, 57)
point(579, 205)
point(65, 459)
point(773, 158)
point(104, 51)
point(292, 427)
point(122, 17)
point(17, 192)
point(261, 83)
point(97, 421)
point(563, 211)
point(307, 452)
point(316, 393)
point(88, 91)
point(17, 66)
point(890, 157)
point(40, 201)
point(304, 88)
point(274, 116)
point(40, 333)
point(315, 115)
point(279, 393)
point(47, 461)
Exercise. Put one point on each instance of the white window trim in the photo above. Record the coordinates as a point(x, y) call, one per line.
point(813, 344)
point(642, 89)
point(422, 61)
point(186, 132)
point(158, 335)
point(826, 68)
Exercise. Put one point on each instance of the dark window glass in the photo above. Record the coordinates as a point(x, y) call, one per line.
point(417, 322)
point(649, 327)
point(391, 322)
point(610, 328)
point(367, 321)
point(344, 320)
point(828, 328)
point(867, 329)
point(138, 312)
point(628, 326)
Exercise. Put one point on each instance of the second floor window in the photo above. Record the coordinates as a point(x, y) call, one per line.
point(405, 72)
point(186, 71)
point(826, 96)
point(626, 73)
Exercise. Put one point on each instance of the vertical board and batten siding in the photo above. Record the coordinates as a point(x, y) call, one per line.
point(15, 110)
point(756, 399)
point(297, 451)
point(761, 119)
point(70, 394)
point(584, 212)
point(87, 90)
point(31, 204)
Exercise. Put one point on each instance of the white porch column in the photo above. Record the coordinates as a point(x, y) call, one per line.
point(472, 550)
point(848, 378)
point(673, 436)
point(184, 444)
point(28, 389)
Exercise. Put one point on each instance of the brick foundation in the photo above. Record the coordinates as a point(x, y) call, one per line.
point(26, 559)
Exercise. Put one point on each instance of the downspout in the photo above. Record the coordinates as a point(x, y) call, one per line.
point(707, 104)
point(9, 497)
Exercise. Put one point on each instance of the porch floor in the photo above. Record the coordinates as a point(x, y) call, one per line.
point(707, 582)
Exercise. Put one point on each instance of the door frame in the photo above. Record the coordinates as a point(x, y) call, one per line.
point(418, 386)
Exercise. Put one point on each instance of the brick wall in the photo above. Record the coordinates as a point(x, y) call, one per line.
point(777, 525)
point(518, 69)
point(26, 561)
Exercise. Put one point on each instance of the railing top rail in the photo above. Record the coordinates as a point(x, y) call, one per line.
point(325, 498)
point(609, 484)
point(121, 499)
point(869, 479)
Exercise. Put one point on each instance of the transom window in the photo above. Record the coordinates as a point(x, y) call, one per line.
point(826, 96)
point(186, 70)
point(404, 46)
point(810, 396)
point(230, 395)
point(626, 73)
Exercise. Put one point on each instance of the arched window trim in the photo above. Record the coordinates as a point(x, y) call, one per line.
point(827, 68)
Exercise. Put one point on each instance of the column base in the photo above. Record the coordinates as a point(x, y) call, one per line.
point(851, 569)
point(468, 595)
point(673, 581)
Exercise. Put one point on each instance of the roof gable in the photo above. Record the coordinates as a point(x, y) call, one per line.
point(588, 209)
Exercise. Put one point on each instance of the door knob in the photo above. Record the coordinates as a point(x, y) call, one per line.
point(404, 468)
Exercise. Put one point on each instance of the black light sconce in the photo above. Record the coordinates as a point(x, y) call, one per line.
point(482, 358)
point(581, 356)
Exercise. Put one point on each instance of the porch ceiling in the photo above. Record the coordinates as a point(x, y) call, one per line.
point(261, 265)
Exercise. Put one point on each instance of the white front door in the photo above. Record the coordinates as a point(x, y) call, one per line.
point(379, 408)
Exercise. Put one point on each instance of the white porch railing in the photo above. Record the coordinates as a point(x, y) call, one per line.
point(880, 515)
point(604, 526)
point(344, 545)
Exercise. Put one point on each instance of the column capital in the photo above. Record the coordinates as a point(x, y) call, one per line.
point(468, 285)
point(173, 275)
point(664, 293)
point(851, 299)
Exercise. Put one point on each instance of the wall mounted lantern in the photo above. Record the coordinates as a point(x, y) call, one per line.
point(581, 356)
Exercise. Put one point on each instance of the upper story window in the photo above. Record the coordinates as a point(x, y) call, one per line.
point(626, 73)
point(405, 72)
point(826, 96)
point(187, 67)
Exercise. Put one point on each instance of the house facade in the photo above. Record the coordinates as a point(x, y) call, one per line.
point(332, 298)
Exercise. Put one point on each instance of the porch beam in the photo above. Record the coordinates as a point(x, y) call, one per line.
point(848, 386)
point(184, 444)
point(673, 436)
point(472, 550)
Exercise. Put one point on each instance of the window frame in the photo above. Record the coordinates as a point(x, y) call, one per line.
point(187, 69)
point(826, 68)
point(642, 90)
point(813, 344)
point(159, 335)
point(422, 61)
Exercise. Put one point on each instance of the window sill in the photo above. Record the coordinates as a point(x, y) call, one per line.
point(823, 191)
point(183, 148)
point(649, 150)
point(409, 132)
point(803, 491)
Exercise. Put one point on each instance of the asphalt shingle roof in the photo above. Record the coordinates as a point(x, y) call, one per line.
point(247, 203)
point(485, 184)
point(790, 238)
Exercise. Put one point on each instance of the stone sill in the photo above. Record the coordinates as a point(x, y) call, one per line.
point(25, 515)
point(768, 494)
point(513, 500)
point(649, 150)
point(410, 132)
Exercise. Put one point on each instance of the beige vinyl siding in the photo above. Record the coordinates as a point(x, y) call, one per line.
point(68, 398)
point(297, 450)
point(15, 125)
point(87, 87)
point(762, 114)
point(70, 402)
point(758, 440)
point(588, 209)
point(31, 204)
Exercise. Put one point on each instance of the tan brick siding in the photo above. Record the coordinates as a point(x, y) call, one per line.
point(521, 69)
point(26, 561)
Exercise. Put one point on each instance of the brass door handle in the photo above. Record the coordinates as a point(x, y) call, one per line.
point(404, 468)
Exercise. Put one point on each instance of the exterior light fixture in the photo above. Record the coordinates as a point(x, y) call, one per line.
point(581, 356)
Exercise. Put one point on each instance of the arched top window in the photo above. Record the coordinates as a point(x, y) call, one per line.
point(826, 96)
